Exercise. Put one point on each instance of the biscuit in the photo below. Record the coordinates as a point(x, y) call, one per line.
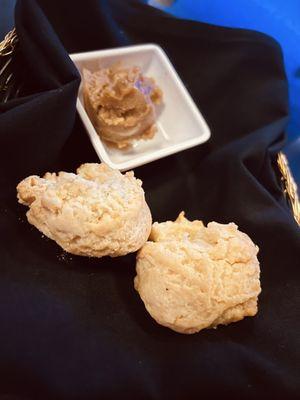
point(192, 277)
point(96, 212)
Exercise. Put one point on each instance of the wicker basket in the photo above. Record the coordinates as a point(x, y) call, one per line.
point(10, 88)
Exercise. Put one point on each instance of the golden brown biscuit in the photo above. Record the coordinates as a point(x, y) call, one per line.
point(192, 277)
point(96, 212)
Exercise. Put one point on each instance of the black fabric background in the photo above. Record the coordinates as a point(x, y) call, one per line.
point(73, 327)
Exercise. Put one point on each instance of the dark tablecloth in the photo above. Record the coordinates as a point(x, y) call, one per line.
point(73, 327)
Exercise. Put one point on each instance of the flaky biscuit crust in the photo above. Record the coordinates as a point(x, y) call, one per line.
point(192, 277)
point(96, 212)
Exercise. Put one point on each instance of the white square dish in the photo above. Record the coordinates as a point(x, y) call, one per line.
point(179, 123)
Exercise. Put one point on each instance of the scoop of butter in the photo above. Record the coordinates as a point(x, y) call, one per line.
point(120, 103)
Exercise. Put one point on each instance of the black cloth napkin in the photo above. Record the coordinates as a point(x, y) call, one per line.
point(73, 327)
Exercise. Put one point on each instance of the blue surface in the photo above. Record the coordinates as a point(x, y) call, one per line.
point(278, 18)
